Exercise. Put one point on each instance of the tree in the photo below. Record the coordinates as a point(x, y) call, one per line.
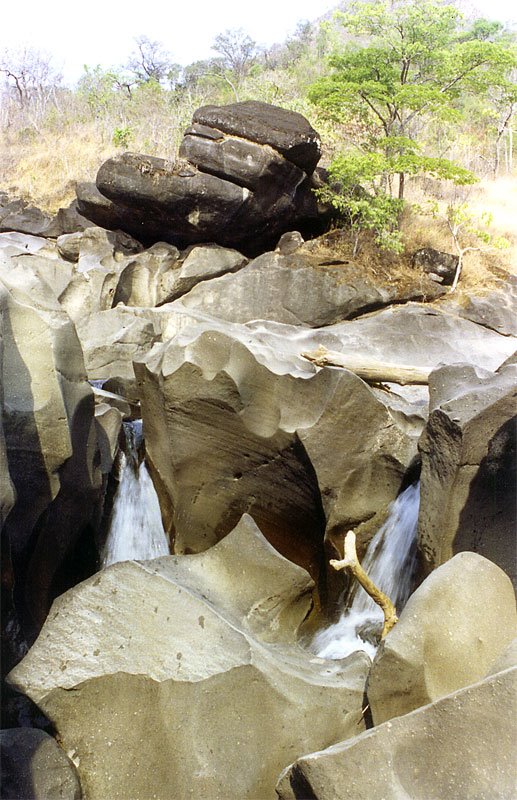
point(31, 81)
point(416, 63)
point(151, 62)
point(237, 50)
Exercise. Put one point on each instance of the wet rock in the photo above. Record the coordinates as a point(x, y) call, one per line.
point(461, 746)
point(34, 767)
point(469, 468)
point(193, 649)
point(452, 629)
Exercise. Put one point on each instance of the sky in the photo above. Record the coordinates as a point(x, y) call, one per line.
point(103, 31)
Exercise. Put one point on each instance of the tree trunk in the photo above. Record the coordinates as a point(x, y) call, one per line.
point(369, 370)
point(351, 562)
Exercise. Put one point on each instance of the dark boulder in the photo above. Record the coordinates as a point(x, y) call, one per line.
point(441, 267)
point(286, 131)
point(246, 175)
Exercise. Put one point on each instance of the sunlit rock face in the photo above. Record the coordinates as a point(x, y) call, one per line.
point(469, 470)
point(462, 745)
point(50, 436)
point(182, 675)
point(452, 629)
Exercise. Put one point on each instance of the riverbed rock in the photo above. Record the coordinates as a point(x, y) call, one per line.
point(495, 308)
point(190, 672)
point(34, 767)
point(237, 421)
point(113, 338)
point(300, 289)
point(469, 470)
point(452, 629)
point(461, 746)
point(50, 437)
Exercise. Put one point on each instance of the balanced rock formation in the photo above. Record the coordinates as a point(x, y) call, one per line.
point(452, 629)
point(461, 746)
point(181, 676)
point(245, 175)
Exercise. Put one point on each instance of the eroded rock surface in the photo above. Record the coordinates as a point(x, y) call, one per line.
point(34, 767)
point(451, 631)
point(164, 678)
point(461, 746)
point(469, 469)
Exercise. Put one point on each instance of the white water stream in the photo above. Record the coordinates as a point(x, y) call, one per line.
point(136, 531)
point(390, 562)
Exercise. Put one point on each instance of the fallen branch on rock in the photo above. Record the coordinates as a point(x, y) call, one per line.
point(369, 371)
point(351, 562)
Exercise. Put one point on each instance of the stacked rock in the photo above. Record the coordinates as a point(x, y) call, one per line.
point(245, 175)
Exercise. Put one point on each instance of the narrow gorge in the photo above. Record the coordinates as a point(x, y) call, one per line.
point(178, 471)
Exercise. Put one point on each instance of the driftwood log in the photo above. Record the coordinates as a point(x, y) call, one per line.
point(369, 370)
point(351, 563)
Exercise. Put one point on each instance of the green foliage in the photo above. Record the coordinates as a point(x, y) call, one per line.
point(122, 136)
point(413, 67)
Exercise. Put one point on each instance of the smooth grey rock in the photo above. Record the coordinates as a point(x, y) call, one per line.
point(113, 338)
point(452, 629)
point(461, 746)
point(296, 290)
point(237, 421)
point(34, 767)
point(50, 436)
point(165, 677)
point(469, 472)
point(495, 309)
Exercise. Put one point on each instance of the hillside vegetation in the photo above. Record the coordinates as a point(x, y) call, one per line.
point(414, 104)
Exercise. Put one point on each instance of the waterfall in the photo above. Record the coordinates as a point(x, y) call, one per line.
point(390, 561)
point(136, 530)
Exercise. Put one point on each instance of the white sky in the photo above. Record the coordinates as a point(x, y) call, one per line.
point(103, 31)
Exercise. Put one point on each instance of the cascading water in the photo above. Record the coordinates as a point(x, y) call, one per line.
point(390, 561)
point(136, 530)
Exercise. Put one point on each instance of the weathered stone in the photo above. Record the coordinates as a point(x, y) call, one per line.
point(289, 242)
point(249, 164)
point(469, 469)
point(50, 436)
point(285, 131)
point(203, 263)
point(35, 768)
point(461, 746)
point(25, 219)
point(149, 279)
point(449, 634)
point(113, 338)
point(196, 202)
point(108, 421)
point(236, 421)
point(297, 289)
point(495, 309)
point(440, 266)
point(189, 671)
